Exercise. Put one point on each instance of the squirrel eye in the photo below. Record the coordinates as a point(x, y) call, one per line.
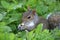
point(29, 17)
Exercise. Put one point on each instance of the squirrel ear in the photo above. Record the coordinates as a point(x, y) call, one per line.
point(33, 11)
point(28, 8)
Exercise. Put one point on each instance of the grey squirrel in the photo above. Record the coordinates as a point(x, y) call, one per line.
point(30, 20)
point(54, 20)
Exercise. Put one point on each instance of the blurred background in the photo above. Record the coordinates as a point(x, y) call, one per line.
point(11, 14)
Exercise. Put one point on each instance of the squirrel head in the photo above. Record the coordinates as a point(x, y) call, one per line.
point(29, 20)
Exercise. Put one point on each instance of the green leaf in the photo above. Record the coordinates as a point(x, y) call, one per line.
point(7, 36)
point(5, 4)
point(30, 35)
point(2, 23)
point(5, 29)
point(39, 28)
point(1, 17)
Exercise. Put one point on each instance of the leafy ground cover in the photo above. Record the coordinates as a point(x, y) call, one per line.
point(11, 14)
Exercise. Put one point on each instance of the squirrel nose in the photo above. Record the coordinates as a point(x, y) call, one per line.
point(19, 28)
point(20, 25)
